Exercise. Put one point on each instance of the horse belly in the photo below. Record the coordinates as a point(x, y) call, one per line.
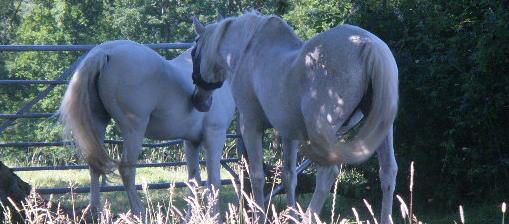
point(292, 131)
point(160, 132)
point(172, 126)
point(288, 124)
point(280, 109)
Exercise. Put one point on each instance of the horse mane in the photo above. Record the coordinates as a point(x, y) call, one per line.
point(251, 21)
point(211, 47)
point(184, 56)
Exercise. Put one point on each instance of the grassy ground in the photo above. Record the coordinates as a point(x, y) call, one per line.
point(81, 178)
point(479, 213)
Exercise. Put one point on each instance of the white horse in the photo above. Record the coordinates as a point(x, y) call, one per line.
point(307, 91)
point(147, 96)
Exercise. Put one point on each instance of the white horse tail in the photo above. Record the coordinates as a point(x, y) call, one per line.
point(381, 68)
point(382, 71)
point(76, 112)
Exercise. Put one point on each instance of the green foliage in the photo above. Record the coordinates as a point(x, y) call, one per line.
point(453, 76)
point(9, 19)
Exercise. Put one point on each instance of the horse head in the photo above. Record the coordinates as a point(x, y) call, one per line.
point(208, 75)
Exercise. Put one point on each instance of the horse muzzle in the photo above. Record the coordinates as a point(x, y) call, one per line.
point(202, 102)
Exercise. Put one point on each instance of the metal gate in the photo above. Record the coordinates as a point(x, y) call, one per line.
point(23, 112)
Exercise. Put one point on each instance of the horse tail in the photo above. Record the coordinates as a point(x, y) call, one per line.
point(381, 68)
point(382, 71)
point(77, 116)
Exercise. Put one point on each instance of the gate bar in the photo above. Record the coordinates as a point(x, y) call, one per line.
point(28, 82)
point(45, 144)
point(65, 190)
point(84, 47)
point(28, 115)
point(81, 167)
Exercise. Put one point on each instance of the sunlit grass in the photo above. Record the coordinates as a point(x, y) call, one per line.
point(78, 178)
point(118, 200)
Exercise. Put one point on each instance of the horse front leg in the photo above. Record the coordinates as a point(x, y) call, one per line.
point(290, 148)
point(252, 135)
point(388, 172)
point(192, 153)
point(214, 143)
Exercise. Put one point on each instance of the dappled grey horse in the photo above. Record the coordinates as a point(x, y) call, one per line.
point(307, 91)
point(147, 96)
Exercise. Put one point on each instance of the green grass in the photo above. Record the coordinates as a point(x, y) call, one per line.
point(118, 200)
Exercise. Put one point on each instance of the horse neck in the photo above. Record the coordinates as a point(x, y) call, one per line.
point(179, 70)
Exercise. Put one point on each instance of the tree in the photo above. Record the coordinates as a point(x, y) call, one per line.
point(452, 80)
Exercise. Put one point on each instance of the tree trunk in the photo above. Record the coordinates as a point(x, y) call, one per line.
point(11, 186)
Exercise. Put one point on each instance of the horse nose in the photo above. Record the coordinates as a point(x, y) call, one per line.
point(201, 102)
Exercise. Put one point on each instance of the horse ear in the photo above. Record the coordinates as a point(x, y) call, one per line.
point(219, 17)
point(198, 26)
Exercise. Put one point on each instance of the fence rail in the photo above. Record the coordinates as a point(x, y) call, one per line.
point(32, 82)
point(84, 47)
point(28, 115)
point(65, 190)
point(116, 142)
point(139, 165)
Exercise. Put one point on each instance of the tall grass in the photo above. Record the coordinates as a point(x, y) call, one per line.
point(37, 210)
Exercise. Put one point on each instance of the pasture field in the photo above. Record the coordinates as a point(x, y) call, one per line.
point(475, 213)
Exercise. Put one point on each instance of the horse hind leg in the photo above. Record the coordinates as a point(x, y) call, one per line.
point(388, 171)
point(324, 179)
point(100, 124)
point(133, 139)
point(290, 148)
point(321, 130)
point(326, 175)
